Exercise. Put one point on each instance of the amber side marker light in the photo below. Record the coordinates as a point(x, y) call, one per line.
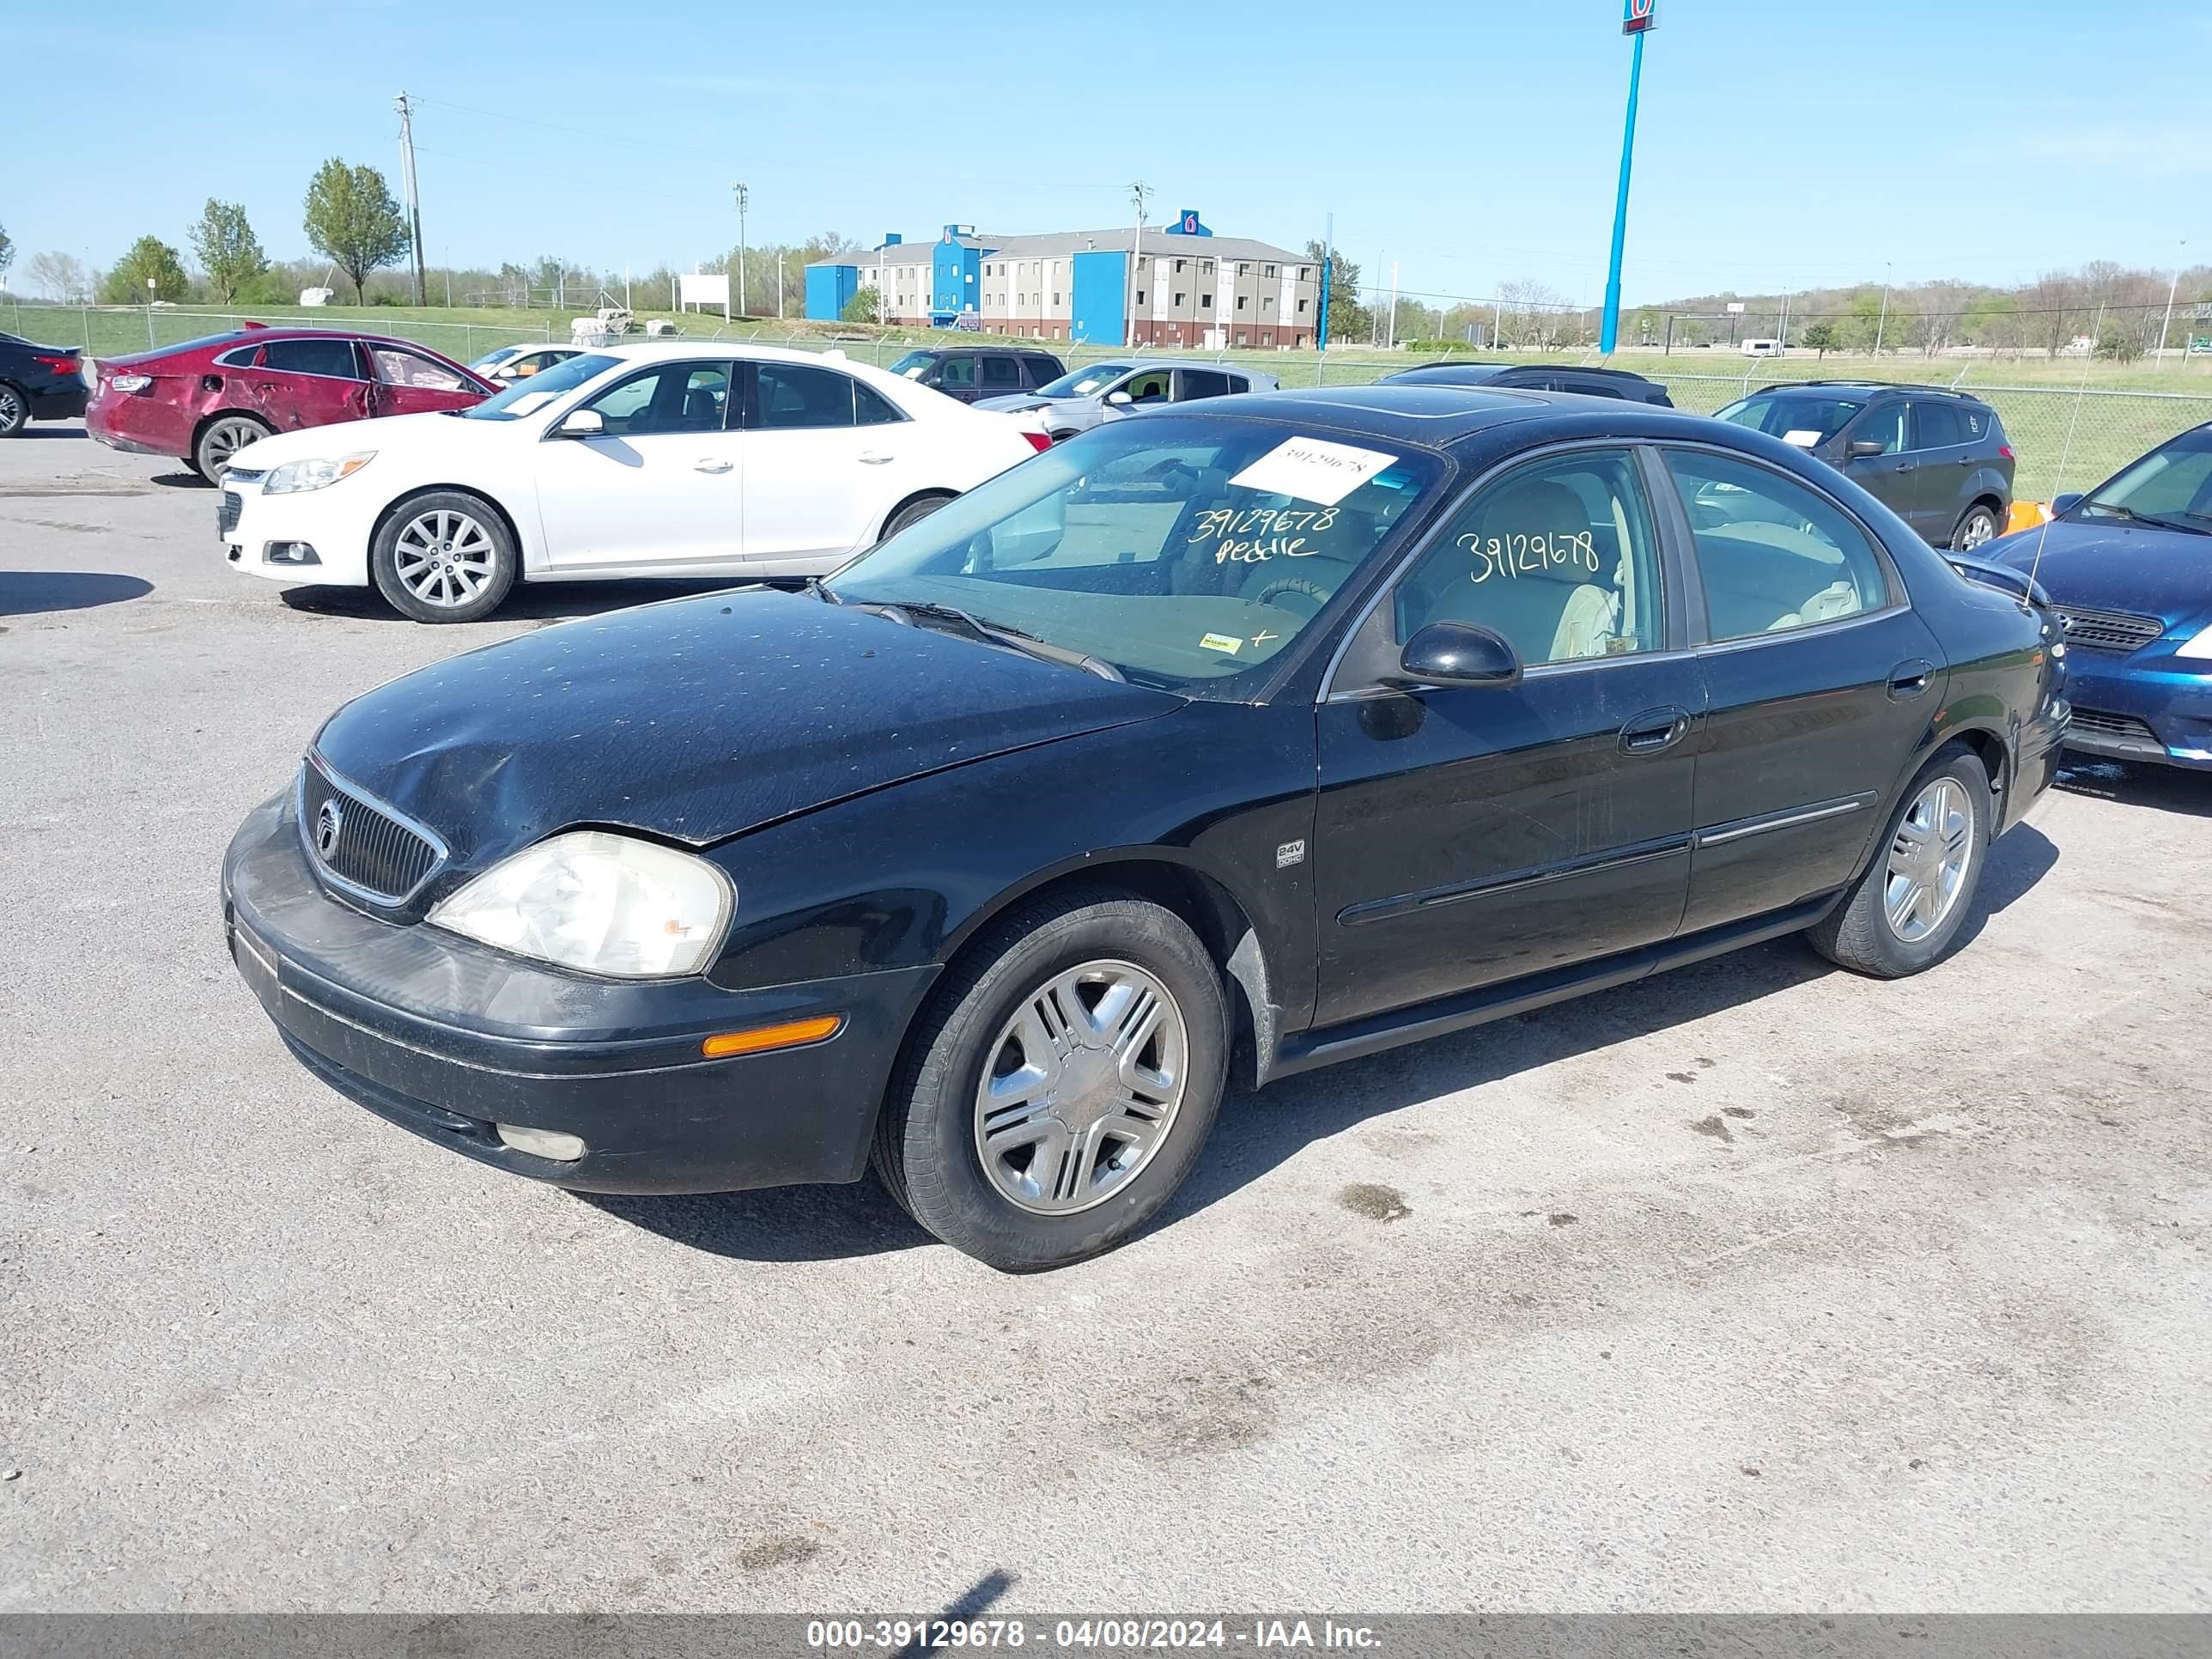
point(762, 1038)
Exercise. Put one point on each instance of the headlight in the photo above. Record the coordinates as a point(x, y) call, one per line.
point(599, 903)
point(294, 476)
point(2200, 646)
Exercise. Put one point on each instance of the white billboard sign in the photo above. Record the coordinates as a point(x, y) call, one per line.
point(704, 288)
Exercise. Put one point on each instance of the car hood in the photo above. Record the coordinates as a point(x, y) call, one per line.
point(349, 437)
point(698, 719)
point(2166, 573)
point(1017, 402)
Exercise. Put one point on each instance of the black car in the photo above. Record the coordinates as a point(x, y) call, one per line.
point(1230, 739)
point(1535, 377)
point(971, 372)
point(1937, 458)
point(38, 383)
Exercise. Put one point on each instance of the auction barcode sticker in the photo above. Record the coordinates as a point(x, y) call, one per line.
point(1312, 470)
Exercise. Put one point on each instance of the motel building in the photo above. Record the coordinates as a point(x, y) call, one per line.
point(1190, 287)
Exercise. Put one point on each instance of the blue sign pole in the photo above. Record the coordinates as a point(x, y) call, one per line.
point(1609, 335)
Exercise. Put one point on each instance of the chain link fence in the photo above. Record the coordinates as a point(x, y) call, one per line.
point(2064, 437)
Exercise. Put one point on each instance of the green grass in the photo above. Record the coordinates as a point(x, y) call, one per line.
point(2062, 441)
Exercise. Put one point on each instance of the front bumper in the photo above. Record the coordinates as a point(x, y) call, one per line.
point(334, 522)
point(2156, 712)
point(446, 1037)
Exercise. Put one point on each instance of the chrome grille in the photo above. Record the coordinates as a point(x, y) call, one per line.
point(226, 516)
point(2108, 630)
point(372, 850)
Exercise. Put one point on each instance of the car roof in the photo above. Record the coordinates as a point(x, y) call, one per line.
point(1435, 417)
point(1872, 388)
point(1037, 351)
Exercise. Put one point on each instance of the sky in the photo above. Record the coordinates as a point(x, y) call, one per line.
point(1781, 144)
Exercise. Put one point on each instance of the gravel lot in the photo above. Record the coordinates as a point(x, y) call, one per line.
point(1758, 1286)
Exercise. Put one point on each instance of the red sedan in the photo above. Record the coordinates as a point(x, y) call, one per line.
point(206, 400)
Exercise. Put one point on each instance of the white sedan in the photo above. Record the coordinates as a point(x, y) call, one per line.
point(677, 459)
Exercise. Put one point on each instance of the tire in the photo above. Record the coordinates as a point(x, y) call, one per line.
point(1057, 1191)
point(1979, 525)
point(1952, 790)
point(446, 556)
point(913, 513)
point(224, 437)
point(14, 410)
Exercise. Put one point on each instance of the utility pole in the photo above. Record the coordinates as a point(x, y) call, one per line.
point(1638, 18)
point(1327, 270)
point(744, 196)
point(1138, 192)
point(2171, 289)
point(1391, 342)
point(1882, 328)
point(407, 175)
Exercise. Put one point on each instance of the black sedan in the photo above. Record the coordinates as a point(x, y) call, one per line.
point(38, 383)
point(1218, 742)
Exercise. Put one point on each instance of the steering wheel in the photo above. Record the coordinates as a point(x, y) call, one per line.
point(1309, 595)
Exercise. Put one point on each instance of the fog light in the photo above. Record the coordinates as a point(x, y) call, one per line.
point(292, 553)
point(541, 1143)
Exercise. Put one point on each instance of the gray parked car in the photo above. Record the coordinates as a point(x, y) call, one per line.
point(1105, 392)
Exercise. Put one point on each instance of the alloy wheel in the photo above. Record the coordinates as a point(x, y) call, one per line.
point(1080, 1088)
point(12, 411)
point(224, 440)
point(444, 558)
point(1980, 529)
point(1928, 859)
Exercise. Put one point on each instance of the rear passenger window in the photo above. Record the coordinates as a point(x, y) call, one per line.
point(794, 395)
point(1001, 372)
point(1975, 423)
point(1773, 555)
point(331, 357)
point(1043, 370)
point(1559, 557)
point(1200, 383)
point(872, 408)
point(1936, 426)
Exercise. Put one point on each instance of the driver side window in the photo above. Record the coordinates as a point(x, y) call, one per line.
point(1559, 557)
point(673, 398)
point(1147, 388)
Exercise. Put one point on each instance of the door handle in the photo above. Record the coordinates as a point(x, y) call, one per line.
point(708, 464)
point(1655, 730)
point(875, 458)
point(1908, 466)
point(1909, 679)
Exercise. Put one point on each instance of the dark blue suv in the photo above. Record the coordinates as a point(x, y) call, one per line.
point(1938, 460)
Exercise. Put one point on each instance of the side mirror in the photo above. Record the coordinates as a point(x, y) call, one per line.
point(2065, 502)
point(1119, 399)
point(1862, 448)
point(1452, 654)
point(583, 423)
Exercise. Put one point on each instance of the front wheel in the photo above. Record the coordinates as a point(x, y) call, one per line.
point(1976, 529)
point(1905, 912)
point(912, 513)
point(1061, 1084)
point(443, 557)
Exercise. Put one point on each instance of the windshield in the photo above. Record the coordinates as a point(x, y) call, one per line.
point(528, 397)
point(1085, 382)
point(2172, 484)
point(914, 364)
point(1184, 552)
point(495, 355)
point(1795, 417)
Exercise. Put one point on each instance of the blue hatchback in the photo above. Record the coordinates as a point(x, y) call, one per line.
point(2129, 568)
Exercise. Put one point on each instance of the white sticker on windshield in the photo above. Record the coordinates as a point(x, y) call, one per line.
point(1312, 470)
point(915, 373)
point(1802, 439)
point(530, 402)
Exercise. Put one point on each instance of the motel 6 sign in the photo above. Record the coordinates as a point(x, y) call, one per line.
point(1638, 15)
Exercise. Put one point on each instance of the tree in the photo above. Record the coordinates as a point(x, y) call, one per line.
point(2119, 345)
point(228, 250)
point(1348, 319)
point(58, 276)
point(149, 259)
point(7, 250)
point(1821, 336)
point(352, 220)
point(865, 307)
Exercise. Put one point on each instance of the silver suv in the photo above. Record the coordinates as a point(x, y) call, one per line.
point(1088, 397)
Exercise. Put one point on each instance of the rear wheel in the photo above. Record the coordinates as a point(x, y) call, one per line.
point(225, 436)
point(1061, 1083)
point(443, 557)
point(14, 410)
point(1979, 525)
point(1905, 912)
point(913, 513)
